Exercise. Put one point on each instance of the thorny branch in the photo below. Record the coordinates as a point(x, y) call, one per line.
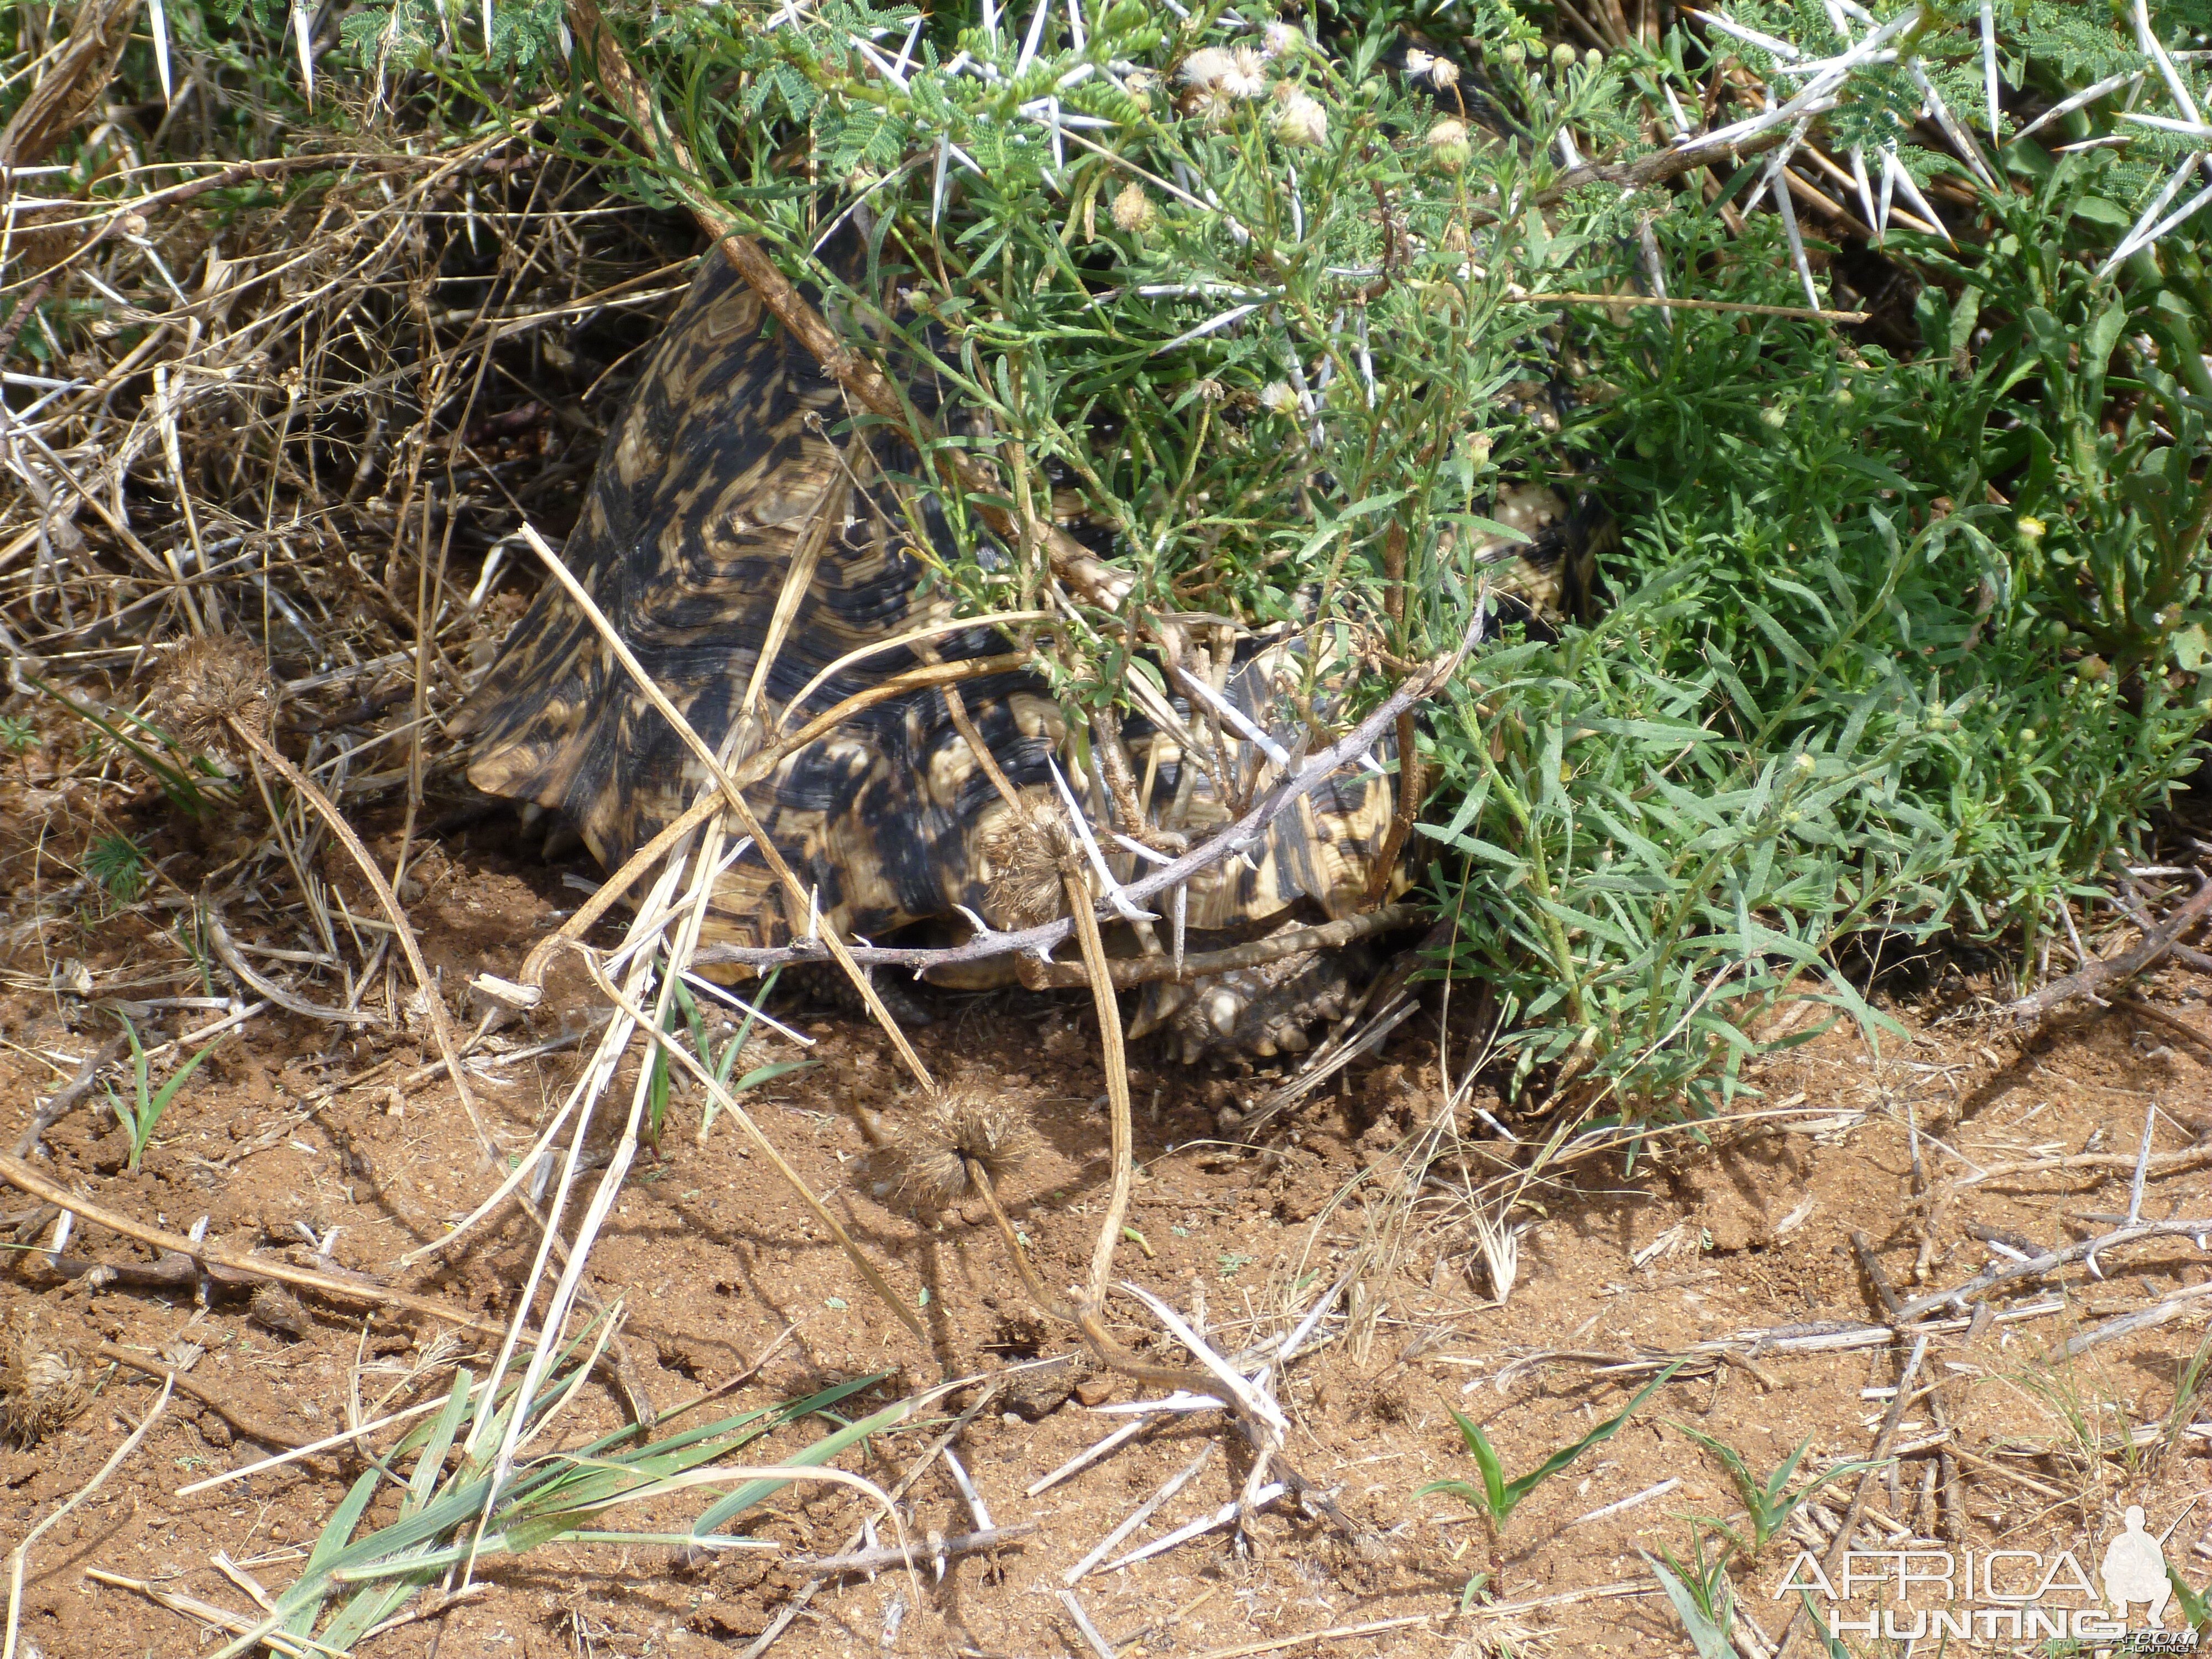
point(1229, 840)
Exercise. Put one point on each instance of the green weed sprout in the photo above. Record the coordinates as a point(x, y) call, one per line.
point(1701, 1595)
point(118, 865)
point(140, 1115)
point(1497, 1497)
point(656, 1093)
point(1770, 1501)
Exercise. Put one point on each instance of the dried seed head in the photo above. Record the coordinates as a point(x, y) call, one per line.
point(208, 681)
point(44, 1385)
point(934, 1150)
point(1209, 106)
point(1443, 75)
point(1020, 856)
point(277, 1308)
point(1207, 66)
point(1133, 210)
point(1247, 73)
point(1419, 64)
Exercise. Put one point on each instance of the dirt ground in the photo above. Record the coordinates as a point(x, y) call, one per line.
point(1962, 1141)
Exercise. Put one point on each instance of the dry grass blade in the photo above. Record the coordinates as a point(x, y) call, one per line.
point(732, 795)
point(751, 770)
point(729, 1104)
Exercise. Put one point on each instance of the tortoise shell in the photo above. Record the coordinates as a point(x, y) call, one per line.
point(725, 491)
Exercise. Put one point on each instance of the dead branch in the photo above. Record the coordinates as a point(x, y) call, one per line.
point(57, 1104)
point(1231, 839)
point(355, 1291)
point(2115, 969)
point(1129, 971)
point(933, 1546)
point(2005, 1272)
point(1879, 1455)
point(66, 93)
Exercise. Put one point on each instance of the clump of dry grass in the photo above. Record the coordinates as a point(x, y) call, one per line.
point(259, 401)
point(935, 1146)
point(42, 1384)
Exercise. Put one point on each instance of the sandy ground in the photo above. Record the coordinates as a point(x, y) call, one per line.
point(1947, 1150)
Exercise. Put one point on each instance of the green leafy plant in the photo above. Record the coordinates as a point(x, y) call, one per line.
point(118, 865)
point(1497, 1497)
point(140, 1113)
point(186, 779)
point(2196, 1605)
point(1770, 1503)
point(18, 736)
point(556, 1499)
point(2188, 1387)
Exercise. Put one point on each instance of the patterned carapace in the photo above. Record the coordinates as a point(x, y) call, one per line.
point(726, 491)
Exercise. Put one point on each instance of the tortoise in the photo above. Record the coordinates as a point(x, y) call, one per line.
point(723, 471)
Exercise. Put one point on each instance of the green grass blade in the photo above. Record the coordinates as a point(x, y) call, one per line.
point(753, 1492)
point(1711, 1639)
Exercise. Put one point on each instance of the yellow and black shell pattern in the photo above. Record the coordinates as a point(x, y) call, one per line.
point(724, 474)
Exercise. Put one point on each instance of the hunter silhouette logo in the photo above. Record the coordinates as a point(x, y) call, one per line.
point(2000, 1596)
point(2134, 1569)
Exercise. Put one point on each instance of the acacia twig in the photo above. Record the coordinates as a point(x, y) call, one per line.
point(1230, 838)
point(2093, 978)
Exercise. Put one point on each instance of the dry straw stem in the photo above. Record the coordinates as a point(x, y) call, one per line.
point(434, 1002)
point(209, 1613)
point(753, 770)
point(358, 1293)
point(22, 1550)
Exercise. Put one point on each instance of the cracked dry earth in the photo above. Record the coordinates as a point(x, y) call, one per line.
point(1949, 1147)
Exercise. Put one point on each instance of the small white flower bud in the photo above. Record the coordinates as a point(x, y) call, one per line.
point(1563, 56)
point(1443, 75)
point(1277, 398)
point(1281, 39)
